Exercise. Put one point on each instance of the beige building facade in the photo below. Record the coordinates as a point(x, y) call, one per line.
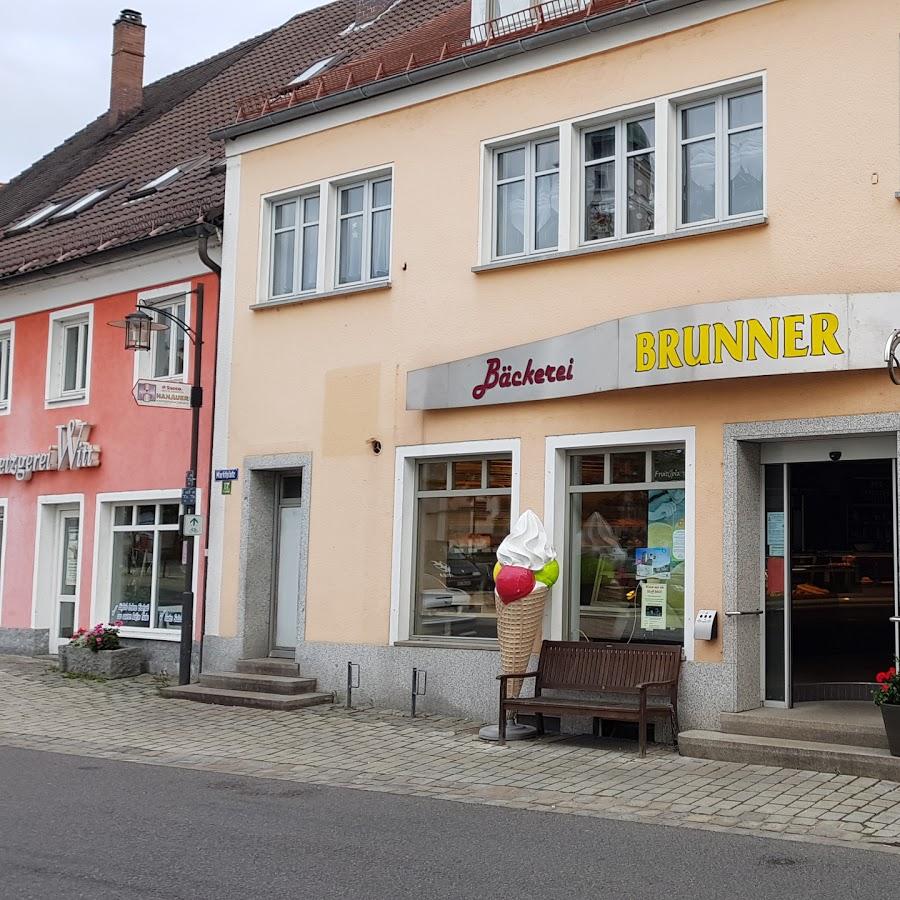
point(637, 279)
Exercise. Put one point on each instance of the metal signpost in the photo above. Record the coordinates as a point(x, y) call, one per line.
point(148, 392)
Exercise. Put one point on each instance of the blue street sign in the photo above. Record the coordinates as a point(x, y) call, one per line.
point(226, 474)
point(189, 496)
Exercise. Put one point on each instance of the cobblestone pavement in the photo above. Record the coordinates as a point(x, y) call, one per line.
point(440, 758)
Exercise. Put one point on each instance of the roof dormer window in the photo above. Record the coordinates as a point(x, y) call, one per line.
point(151, 187)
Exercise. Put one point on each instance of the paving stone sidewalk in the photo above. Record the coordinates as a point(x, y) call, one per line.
point(440, 758)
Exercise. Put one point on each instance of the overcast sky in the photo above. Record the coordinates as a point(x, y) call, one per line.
point(55, 58)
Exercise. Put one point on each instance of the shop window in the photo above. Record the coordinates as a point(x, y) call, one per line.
point(462, 513)
point(6, 367)
point(148, 572)
point(294, 245)
point(364, 231)
point(721, 157)
point(626, 544)
point(526, 198)
point(619, 171)
point(69, 357)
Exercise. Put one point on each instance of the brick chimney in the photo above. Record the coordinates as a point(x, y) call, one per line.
point(126, 90)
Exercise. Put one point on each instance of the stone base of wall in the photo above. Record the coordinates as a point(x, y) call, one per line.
point(161, 657)
point(25, 641)
point(463, 682)
point(123, 663)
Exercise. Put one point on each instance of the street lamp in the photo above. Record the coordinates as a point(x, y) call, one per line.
point(138, 327)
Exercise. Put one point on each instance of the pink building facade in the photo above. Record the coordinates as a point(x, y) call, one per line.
point(90, 481)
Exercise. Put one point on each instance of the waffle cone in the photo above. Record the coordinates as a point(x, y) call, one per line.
point(518, 625)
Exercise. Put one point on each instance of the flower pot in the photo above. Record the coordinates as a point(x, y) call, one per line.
point(125, 662)
point(890, 712)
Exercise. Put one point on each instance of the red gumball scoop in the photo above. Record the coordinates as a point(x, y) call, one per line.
point(514, 583)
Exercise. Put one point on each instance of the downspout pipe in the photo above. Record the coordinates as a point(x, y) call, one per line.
point(204, 232)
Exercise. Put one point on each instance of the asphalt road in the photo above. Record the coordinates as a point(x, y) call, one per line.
point(75, 827)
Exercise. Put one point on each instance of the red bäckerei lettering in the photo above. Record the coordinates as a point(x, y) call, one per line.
point(502, 376)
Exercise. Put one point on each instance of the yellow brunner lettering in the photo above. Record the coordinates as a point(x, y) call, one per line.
point(668, 349)
point(733, 343)
point(793, 336)
point(645, 352)
point(757, 336)
point(701, 358)
point(823, 334)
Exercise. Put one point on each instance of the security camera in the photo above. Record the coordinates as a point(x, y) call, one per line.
point(834, 455)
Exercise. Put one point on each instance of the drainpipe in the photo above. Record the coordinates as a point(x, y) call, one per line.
point(203, 234)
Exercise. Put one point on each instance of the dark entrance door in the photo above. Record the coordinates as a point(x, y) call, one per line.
point(841, 535)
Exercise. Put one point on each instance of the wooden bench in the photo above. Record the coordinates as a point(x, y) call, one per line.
point(643, 678)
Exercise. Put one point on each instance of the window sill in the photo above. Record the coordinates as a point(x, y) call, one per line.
point(368, 287)
point(151, 634)
point(638, 241)
point(449, 644)
point(79, 399)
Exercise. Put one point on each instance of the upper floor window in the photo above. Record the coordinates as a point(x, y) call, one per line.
point(295, 245)
point(721, 158)
point(167, 347)
point(68, 375)
point(526, 198)
point(364, 231)
point(619, 171)
point(6, 364)
point(692, 159)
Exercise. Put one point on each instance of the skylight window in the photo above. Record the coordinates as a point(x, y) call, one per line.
point(151, 187)
point(36, 218)
point(318, 67)
point(86, 201)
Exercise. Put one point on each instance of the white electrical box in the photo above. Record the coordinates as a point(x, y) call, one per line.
point(705, 625)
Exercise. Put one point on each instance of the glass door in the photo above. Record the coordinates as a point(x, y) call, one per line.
point(776, 616)
point(66, 578)
point(288, 535)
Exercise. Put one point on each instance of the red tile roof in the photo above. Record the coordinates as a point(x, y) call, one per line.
point(174, 127)
point(448, 36)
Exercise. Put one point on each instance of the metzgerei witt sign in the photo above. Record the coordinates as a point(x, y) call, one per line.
point(71, 451)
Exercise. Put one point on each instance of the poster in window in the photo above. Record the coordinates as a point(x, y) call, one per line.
point(71, 575)
point(652, 562)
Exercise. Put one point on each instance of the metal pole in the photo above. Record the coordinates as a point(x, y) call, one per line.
point(349, 685)
point(187, 596)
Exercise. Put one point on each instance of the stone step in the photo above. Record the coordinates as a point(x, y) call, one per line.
point(269, 666)
point(861, 727)
point(271, 684)
point(256, 699)
point(813, 756)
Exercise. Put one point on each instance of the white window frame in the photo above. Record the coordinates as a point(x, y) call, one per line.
point(368, 211)
point(166, 298)
point(620, 157)
point(667, 172)
point(404, 527)
point(7, 365)
point(299, 228)
point(59, 322)
point(558, 449)
point(102, 558)
point(530, 177)
point(723, 162)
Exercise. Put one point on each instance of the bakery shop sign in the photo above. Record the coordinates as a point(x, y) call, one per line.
point(727, 339)
point(72, 450)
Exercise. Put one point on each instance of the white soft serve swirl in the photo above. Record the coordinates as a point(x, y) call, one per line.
point(526, 545)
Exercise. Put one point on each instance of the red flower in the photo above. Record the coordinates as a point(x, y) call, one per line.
point(881, 677)
point(885, 688)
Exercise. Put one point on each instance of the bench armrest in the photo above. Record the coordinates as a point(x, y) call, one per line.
point(518, 675)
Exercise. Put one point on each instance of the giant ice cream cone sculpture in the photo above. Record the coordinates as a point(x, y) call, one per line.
point(525, 571)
